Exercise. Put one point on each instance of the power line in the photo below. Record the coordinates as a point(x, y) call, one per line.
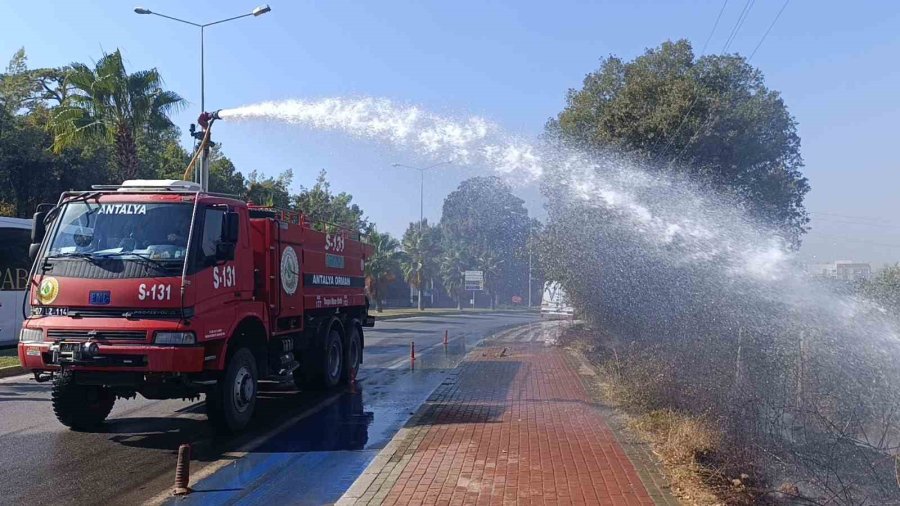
point(715, 25)
point(847, 216)
point(783, 7)
point(738, 25)
point(697, 97)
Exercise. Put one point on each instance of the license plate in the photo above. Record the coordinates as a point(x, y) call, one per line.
point(49, 311)
point(99, 298)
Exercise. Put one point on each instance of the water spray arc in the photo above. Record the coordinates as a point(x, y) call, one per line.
point(680, 269)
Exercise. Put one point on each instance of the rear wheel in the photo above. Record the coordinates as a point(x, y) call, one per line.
point(353, 354)
point(80, 407)
point(230, 405)
point(322, 368)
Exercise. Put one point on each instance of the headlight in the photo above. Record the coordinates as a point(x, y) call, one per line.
point(31, 335)
point(174, 338)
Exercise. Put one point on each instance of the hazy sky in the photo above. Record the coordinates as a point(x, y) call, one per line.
point(510, 61)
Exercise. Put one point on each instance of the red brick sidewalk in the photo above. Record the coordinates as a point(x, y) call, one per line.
point(513, 425)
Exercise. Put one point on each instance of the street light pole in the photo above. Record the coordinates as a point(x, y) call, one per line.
point(202, 71)
point(529, 266)
point(203, 174)
point(422, 212)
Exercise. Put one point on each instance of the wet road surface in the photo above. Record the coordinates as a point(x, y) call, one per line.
point(330, 436)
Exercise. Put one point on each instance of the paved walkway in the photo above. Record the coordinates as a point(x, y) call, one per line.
point(513, 424)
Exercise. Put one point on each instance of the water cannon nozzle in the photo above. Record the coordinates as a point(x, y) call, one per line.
point(206, 119)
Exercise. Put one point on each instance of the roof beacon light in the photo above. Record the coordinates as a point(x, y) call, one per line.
point(159, 184)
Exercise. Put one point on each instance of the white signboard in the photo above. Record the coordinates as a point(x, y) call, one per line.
point(474, 280)
point(473, 275)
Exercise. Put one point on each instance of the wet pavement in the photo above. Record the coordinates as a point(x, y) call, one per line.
point(314, 445)
point(517, 422)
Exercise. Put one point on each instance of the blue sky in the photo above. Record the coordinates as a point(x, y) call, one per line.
point(512, 62)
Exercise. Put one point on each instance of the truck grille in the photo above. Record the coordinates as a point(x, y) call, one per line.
point(130, 313)
point(100, 335)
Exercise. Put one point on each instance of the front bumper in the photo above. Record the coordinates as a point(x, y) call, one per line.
point(114, 357)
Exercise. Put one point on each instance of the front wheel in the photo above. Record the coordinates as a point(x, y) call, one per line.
point(80, 407)
point(230, 405)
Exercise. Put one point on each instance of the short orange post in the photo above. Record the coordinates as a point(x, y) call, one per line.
point(412, 354)
point(183, 471)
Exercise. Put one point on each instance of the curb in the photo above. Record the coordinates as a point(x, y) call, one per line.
point(452, 312)
point(13, 370)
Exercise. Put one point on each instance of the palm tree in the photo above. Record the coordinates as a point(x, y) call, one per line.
point(418, 262)
point(381, 266)
point(109, 103)
point(452, 268)
point(489, 264)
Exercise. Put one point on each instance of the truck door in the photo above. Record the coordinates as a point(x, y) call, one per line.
point(220, 283)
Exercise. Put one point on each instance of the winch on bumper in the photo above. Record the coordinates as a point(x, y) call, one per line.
point(94, 355)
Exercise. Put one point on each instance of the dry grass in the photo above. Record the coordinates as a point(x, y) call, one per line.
point(691, 448)
point(683, 443)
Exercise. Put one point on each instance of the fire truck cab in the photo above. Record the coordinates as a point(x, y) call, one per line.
point(160, 289)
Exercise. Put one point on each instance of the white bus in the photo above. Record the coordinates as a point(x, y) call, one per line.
point(15, 237)
point(555, 303)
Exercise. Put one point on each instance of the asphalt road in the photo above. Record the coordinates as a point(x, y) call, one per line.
point(132, 459)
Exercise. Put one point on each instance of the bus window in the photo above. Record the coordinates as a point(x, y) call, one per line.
point(14, 267)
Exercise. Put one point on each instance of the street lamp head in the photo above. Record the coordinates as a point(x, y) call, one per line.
point(396, 165)
point(141, 10)
point(262, 9)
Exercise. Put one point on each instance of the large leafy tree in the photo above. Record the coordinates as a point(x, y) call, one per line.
point(382, 265)
point(711, 118)
point(107, 102)
point(421, 245)
point(29, 172)
point(321, 205)
point(482, 215)
point(269, 191)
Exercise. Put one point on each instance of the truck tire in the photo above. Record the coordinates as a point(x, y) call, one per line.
point(323, 368)
point(80, 407)
point(352, 354)
point(230, 404)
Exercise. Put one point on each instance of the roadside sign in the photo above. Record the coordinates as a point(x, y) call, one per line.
point(474, 280)
point(473, 276)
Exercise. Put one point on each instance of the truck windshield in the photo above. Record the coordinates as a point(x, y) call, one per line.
point(157, 231)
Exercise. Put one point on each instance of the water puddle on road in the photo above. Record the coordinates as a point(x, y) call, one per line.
point(315, 459)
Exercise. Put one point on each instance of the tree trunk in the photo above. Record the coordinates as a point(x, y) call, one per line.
point(420, 297)
point(493, 302)
point(126, 153)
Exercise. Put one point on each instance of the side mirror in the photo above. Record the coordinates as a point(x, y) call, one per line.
point(38, 227)
point(33, 250)
point(230, 228)
point(224, 251)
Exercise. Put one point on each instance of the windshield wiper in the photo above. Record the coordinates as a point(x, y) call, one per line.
point(71, 254)
point(146, 258)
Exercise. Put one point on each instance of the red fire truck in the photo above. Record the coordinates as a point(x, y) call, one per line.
point(162, 289)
